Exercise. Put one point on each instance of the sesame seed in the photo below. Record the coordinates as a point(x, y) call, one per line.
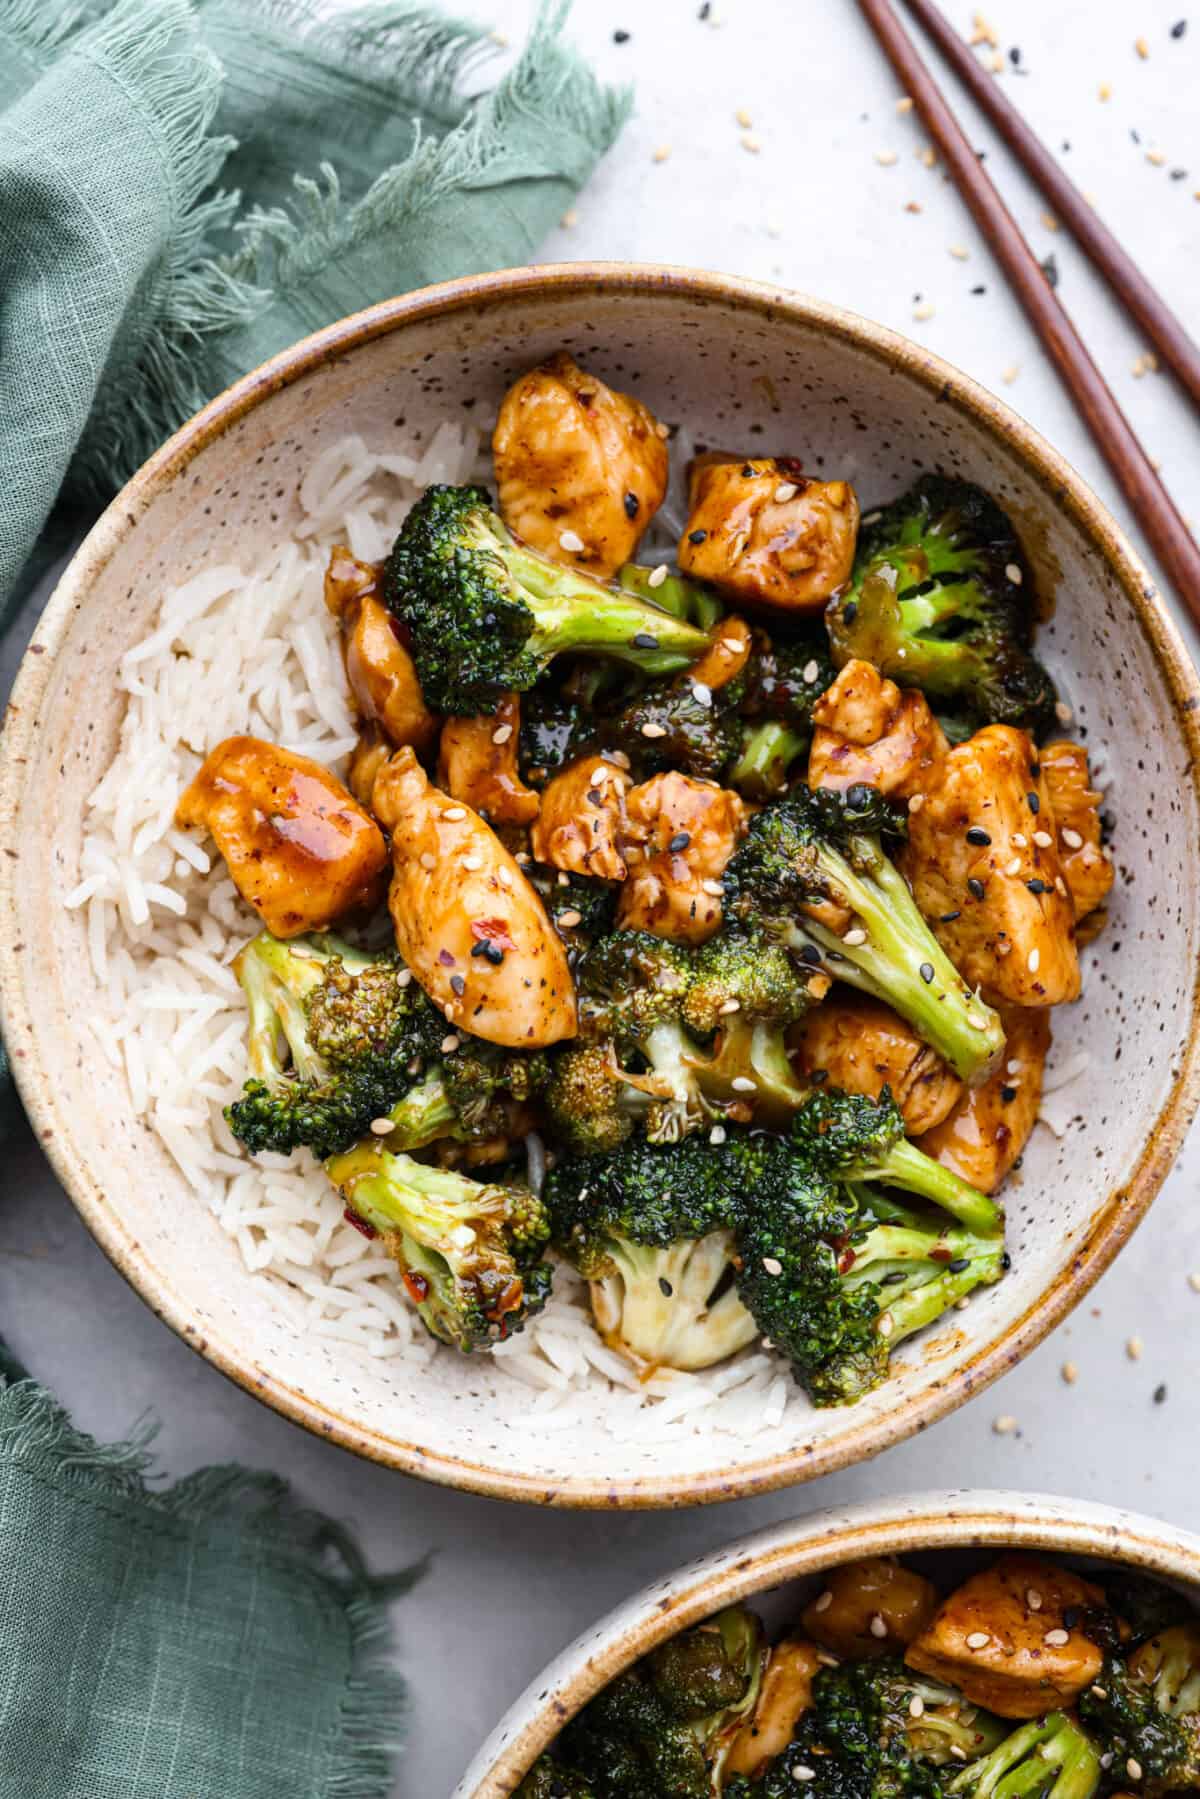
point(1013, 867)
point(787, 490)
point(928, 156)
point(916, 1706)
point(1033, 960)
point(958, 1752)
point(751, 143)
point(717, 1134)
point(1099, 1692)
point(1004, 1425)
point(732, 644)
point(1142, 48)
point(729, 1006)
point(1010, 373)
point(570, 918)
point(1043, 839)
point(741, 1083)
point(450, 1044)
point(1133, 1349)
point(809, 672)
point(1051, 224)
point(1104, 92)
point(978, 836)
point(504, 876)
point(404, 977)
point(886, 1325)
point(1033, 1599)
point(977, 1021)
point(1054, 1639)
point(823, 1602)
point(904, 104)
point(502, 733)
point(771, 1265)
point(927, 972)
point(924, 311)
point(855, 937)
point(701, 693)
point(652, 730)
point(458, 984)
point(382, 1127)
point(800, 1772)
point(978, 1639)
point(662, 153)
point(1014, 574)
point(657, 575)
point(570, 540)
point(916, 801)
point(1157, 157)
point(569, 219)
point(1133, 1768)
point(743, 118)
point(959, 252)
point(1194, 1282)
point(453, 813)
point(1071, 838)
point(645, 640)
point(1070, 1372)
point(714, 888)
point(472, 863)
point(428, 860)
point(878, 1627)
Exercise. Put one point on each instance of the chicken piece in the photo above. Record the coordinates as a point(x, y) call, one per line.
point(575, 460)
point(783, 1698)
point(870, 1608)
point(381, 673)
point(766, 535)
point(725, 658)
point(468, 923)
point(370, 753)
point(862, 1046)
point(682, 832)
point(1002, 1638)
point(298, 847)
point(582, 823)
point(867, 729)
point(1076, 807)
point(982, 863)
point(477, 762)
point(984, 1133)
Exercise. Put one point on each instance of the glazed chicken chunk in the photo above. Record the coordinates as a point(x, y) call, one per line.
point(867, 729)
point(862, 1046)
point(870, 1608)
point(683, 832)
point(983, 865)
point(298, 847)
point(1076, 807)
point(477, 762)
point(784, 1697)
point(1004, 1640)
point(985, 1131)
point(468, 923)
point(765, 534)
point(379, 669)
point(582, 825)
point(580, 470)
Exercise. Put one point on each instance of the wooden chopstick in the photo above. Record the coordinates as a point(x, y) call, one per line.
point(1116, 265)
point(1153, 506)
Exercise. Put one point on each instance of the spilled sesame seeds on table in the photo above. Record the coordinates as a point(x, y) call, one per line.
point(769, 140)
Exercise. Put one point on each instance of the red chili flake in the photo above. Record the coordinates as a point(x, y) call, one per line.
point(416, 1286)
point(400, 630)
point(445, 958)
point(941, 1252)
point(509, 1300)
point(846, 1260)
point(492, 930)
point(360, 1224)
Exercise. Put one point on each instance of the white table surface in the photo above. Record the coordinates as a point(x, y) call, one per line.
point(813, 209)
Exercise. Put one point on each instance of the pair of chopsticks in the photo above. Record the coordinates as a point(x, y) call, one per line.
point(1156, 512)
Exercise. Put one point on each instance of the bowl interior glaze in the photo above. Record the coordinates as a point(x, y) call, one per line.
point(749, 368)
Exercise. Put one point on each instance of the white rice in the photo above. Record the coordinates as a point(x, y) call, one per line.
point(255, 650)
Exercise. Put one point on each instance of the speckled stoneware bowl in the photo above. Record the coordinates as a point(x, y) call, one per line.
point(743, 365)
point(777, 1571)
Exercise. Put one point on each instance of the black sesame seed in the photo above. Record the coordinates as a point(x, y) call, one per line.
point(977, 835)
point(458, 984)
point(1049, 268)
point(665, 1287)
point(479, 949)
point(749, 471)
point(697, 536)
point(705, 10)
point(645, 640)
point(593, 794)
point(927, 972)
point(494, 954)
point(974, 887)
point(889, 1280)
point(620, 37)
point(632, 505)
point(949, 917)
point(959, 1265)
point(1072, 1616)
point(981, 289)
point(1178, 29)
point(1160, 1393)
point(1178, 174)
point(850, 611)
point(1008, 1094)
point(811, 954)
point(1006, 1259)
point(819, 1076)
point(1037, 886)
point(1035, 804)
point(679, 842)
point(1014, 55)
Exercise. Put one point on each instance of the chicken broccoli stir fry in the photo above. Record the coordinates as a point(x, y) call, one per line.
point(1026, 1682)
point(698, 925)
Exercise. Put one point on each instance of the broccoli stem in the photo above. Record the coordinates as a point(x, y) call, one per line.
point(906, 1166)
point(393, 1192)
point(574, 612)
point(941, 1008)
point(276, 979)
point(674, 594)
point(1048, 1755)
point(767, 754)
point(422, 1116)
point(912, 1308)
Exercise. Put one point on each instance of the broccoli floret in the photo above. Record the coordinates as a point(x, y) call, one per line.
point(336, 1037)
point(744, 993)
point(1145, 1712)
point(556, 728)
point(784, 681)
point(668, 1308)
point(942, 599)
point(663, 1728)
point(656, 1193)
point(857, 1138)
point(486, 614)
point(819, 847)
point(548, 1779)
point(1049, 1758)
point(1145, 1605)
point(469, 1254)
point(667, 726)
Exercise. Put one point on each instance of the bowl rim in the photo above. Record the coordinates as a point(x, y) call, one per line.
point(1111, 1225)
point(966, 1518)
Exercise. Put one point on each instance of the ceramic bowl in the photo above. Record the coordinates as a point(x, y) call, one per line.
point(777, 1570)
point(743, 365)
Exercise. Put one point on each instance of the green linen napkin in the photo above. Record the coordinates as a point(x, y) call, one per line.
point(208, 1641)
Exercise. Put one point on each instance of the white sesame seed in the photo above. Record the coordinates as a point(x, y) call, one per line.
point(569, 219)
point(619, 757)
point(714, 889)
point(751, 143)
point(1133, 1349)
point(886, 1325)
point(662, 153)
point(729, 1006)
point(904, 104)
point(915, 801)
point(657, 575)
point(800, 1772)
point(570, 918)
point(741, 1083)
point(810, 671)
point(958, 1752)
point(463, 1236)
point(453, 813)
point(1099, 1692)
point(886, 158)
point(924, 311)
point(502, 733)
point(1013, 1065)
point(978, 1639)
point(1055, 1639)
point(878, 1626)
point(650, 729)
point(1043, 839)
point(959, 252)
point(787, 490)
point(1013, 867)
point(1062, 712)
point(382, 1127)
point(1033, 1599)
point(1194, 1282)
point(570, 540)
point(1143, 50)
point(1133, 1768)
point(564, 879)
point(855, 937)
point(827, 1659)
point(771, 1265)
point(733, 644)
point(701, 693)
point(1106, 1760)
point(404, 977)
point(1004, 1425)
point(1071, 838)
point(1014, 574)
point(504, 876)
point(717, 1134)
point(977, 1021)
point(1020, 841)
point(743, 118)
point(428, 859)
point(916, 1706)
point(472, 864)
point(1070, 1372)
point(1033, 960)
point(823, 1602)
point(1010, 374)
